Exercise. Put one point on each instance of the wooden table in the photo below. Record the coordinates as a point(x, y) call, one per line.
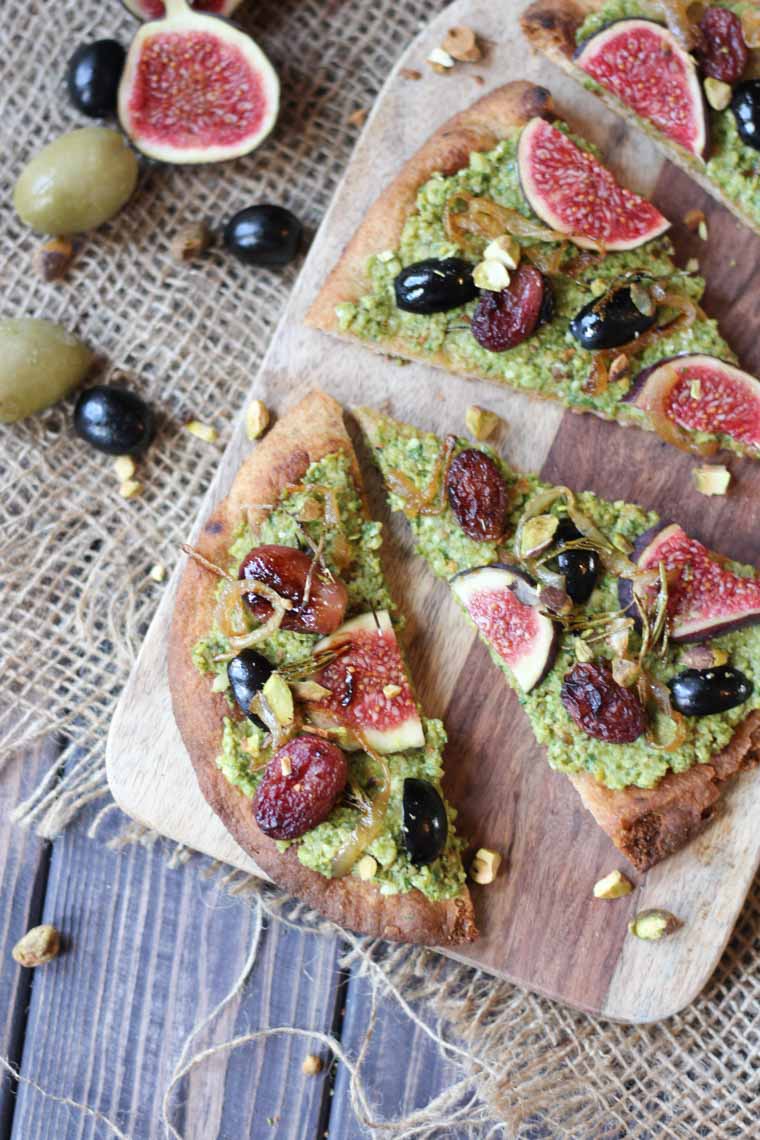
point(150, 951)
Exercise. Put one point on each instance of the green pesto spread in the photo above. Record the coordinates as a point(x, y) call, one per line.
point(352, 551)
point(440, 540)
point(731, 164)
point(550, 362)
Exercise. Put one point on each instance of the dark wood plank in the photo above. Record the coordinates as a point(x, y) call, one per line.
point(23, 872)
point(151, 952)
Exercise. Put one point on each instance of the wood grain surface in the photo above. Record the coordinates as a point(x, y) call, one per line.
point(540, 926)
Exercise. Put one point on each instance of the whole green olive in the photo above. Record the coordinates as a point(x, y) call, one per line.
point(39, 363)
point(76, 182)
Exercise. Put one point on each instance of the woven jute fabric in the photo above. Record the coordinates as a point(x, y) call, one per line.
point(77, 596)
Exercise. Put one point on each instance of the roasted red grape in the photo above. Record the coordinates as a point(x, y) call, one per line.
point(600, 706)
point(300, 787)
point(478, 495)
point(286, 570)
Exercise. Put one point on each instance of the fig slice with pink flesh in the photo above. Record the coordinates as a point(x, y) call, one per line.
point(196, 89)
point(503, 604)
point(156, 9)
point(701, 393)
point(705, 598)
point(643, 64)
point(369, 688)
point(574, 194)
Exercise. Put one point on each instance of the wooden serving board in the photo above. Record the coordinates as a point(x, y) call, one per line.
point(540, 926)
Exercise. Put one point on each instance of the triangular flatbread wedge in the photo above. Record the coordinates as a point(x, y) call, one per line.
point(604, 45)
point(504, 250)
point(329, 733)
point(650, 774)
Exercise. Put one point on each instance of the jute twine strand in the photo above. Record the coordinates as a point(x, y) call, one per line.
point(77, 598)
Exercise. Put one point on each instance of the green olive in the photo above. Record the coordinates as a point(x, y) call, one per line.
point(39, 363)
point(76, 182)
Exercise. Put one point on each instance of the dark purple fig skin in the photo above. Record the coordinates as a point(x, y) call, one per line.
point(526, 599)
point(610, 24)
point(708, 631)
point(641, 378)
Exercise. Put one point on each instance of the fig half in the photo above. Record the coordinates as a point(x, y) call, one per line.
point(196, 89)
point(155, 9)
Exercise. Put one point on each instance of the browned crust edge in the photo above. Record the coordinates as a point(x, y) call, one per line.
point(648, 824)
point(480, 127)
point(550, 27)
point(309, 431)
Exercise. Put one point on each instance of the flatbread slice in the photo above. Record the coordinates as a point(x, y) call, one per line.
point(649, 801)
point(212, 726)
point(730, 170)
point(450, 200)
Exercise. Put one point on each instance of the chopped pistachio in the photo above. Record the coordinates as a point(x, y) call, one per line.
point(619, 369)
point(491, 275)
point(256, 419)
point(505, 249)
point(366, 868)
point(695, 389)
point(583, 651)
point(537, 534)
point(598, 287)
point(277, 694)
point(157, 572)
point(480, 422)
point(461, 44)
point(124, 466)
point(312, 1065)
point(704, 657)
point(440, 59)
point(692, 265)
point(130, 489)
point(625, 672)
point(286, 764)
point(203, 431)
point(702, 230)
point(692, 218)
point(651, 925)
point(309, 691)
point(612, 886)
point(190, 241)
point(712, 480)
point(717, 93)
point(391, 691)
point(642, 298)
point(485, 866)
point(39, 945)
point(220, 683)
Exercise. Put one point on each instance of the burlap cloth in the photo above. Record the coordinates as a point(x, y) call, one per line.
point(77, 597)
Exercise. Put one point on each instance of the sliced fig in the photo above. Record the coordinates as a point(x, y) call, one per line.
point(155, 9)
point(574, 194)
point(503, 604)
point(701, 393)
point(196, 89)
point(643, 64)
point(704, 597)
point(369, 688)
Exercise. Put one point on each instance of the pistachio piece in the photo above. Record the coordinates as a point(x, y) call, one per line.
point(309, 691)
point(692, 265)
point(480, 422)
point(505, 249)
point(651, 925)
point(612, 886)
point(713, 479)
point(158, 573)
point(124, 466)
point(717, 93)
point(277, 694)
point(491, 276)
point(642, 298)
point(538, 534)
point(625, 672)
point(130, 489)
point(440, 60)
point(583, 651)
point(619, 369)
point(702, 230)
point(39, 945)
point(256, 419)
point(366, 868)
point(391, 691)
point(202, 431)
point(312, 1065)
point(704, 657)
point(461, 44)
point(485, 866)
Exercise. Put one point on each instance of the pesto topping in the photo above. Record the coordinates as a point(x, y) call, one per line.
point(352, 551)
point(550, 362)
point(731, 164)
point(439, 539)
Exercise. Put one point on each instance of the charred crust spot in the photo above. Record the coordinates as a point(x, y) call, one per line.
point(537, 101)
point(214, 526)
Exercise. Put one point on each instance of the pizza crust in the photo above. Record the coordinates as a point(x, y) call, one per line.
point(550, 27)
point(494, 117)
point(310, 431)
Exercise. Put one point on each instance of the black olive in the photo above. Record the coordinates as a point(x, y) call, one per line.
point(92, 77)
point(248, 673)
point(610, 320)
point(425, 825)
point(745, 104)
point(704, 692)
point(580, 567)
point(435, 285)
point(113, 420)
point(264, 235)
